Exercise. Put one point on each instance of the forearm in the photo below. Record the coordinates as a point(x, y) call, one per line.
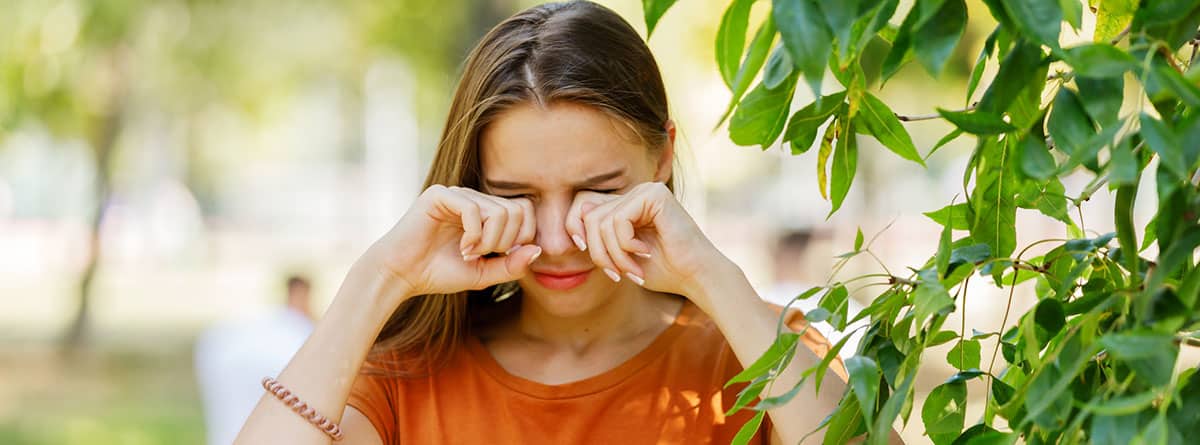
point(749, 326)
point(323, 370)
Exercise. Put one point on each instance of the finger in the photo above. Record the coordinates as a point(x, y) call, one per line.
point(592, 233)
point(494, 220)
point(528, 233)
point(469, 216)
point(574, 223)
point(619, 256)
point(626, 233)
point(501, 269)
point(512, 225)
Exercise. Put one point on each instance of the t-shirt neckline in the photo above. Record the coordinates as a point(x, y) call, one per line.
point(483, 358)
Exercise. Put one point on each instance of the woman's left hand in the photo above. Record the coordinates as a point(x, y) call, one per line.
point(643, 235)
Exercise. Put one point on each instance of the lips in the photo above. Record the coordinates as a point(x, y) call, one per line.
point(561, 280)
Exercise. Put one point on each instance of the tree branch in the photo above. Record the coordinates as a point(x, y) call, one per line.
point(926, 117)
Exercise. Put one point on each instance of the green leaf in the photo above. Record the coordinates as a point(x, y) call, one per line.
point(1150, 355)
point(1154, 433)
point(1179, 85)
point(1165, 143)
point(944, 412)
point(762, 115)
point(1050, 316)
point(864, 381)
point(1045, 196)
point(989, 46)
point(963, 376)
point(964, 355)
point(942, 259)
point(806, 37)
point(779, 67)
point(755, 58)
point(934, 41)
point(749, 429)
point(1040, 19)
point(891, 409)
point(731, 39)
point(995, 208)
point(844, 164)
point(1112, 17)
point(977, 122)
point(901, 51)
point(654, 10)
point(845, 423)
point(1068, 123)
point(1072, 12)
point(941, 337)
point(1101, 97)
point(885, 127)
point(841, 16)
point(952, 135)
point(1113, 430)
point(836, 302)
point(823, 154)
point(957, 216)
point(1118, 406)
point(774, 354)
point(930, 297)
point(858, 239)
point(1035, 160)
point(802, 127)
point(1099, 60)
point(1018, 70)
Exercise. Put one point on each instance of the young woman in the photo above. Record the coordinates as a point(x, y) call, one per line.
point(546, 287)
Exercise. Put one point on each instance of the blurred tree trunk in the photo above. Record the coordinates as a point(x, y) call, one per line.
point(102, 139)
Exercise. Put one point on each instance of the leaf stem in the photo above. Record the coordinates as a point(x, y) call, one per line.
point(927, 117)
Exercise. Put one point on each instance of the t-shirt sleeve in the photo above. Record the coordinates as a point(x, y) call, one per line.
point(372, 395)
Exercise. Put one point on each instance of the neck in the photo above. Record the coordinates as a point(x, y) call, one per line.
point(628, 313)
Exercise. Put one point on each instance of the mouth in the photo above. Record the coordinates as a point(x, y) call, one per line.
point(561, 280)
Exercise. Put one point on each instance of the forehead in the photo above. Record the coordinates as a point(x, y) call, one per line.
point(558, 142)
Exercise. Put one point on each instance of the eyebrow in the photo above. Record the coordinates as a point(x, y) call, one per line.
point(597, 179)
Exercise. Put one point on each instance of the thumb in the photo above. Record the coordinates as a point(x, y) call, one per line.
point(508, 267)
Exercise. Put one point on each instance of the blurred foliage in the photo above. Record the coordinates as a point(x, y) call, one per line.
point(1093, 361)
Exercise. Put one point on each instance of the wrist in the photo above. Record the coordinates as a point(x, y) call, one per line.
point(377, 284)
point(719, 281)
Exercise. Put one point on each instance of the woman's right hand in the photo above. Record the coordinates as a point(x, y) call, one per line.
point(439, 245)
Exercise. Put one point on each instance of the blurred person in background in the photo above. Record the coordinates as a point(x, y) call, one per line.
point(546, 287)
point(233, 355)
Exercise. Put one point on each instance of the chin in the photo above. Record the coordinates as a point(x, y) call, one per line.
point(568, 303)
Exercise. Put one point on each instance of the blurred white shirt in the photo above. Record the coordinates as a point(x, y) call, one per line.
point(231, 360)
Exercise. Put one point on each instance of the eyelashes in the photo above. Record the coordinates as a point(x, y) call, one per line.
point(529, 196)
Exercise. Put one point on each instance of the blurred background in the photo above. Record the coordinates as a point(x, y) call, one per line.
point(166, 164)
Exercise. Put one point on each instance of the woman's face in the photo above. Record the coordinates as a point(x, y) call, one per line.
point(549, 155)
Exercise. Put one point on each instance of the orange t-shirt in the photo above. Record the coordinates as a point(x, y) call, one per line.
point(669, 393)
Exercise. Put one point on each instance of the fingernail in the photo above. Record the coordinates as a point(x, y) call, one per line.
point(469, 258)
point(642, 254)
point(579, 243)
point(535, 255)
point(612, 274)
point(635, 279)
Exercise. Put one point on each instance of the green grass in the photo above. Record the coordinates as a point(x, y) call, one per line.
point(128, 395)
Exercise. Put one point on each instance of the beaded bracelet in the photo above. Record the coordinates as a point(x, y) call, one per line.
point(321, 422)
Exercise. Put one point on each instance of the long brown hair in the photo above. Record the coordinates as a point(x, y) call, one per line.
point(575, 51)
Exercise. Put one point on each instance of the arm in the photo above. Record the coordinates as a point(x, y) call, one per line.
point(436, 248)
point(749, 326)
point(323, 370)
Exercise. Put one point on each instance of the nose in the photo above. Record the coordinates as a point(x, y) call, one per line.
point(552, 234)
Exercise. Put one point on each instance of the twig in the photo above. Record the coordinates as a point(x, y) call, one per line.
point(926, 117)
point(1122, 34)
